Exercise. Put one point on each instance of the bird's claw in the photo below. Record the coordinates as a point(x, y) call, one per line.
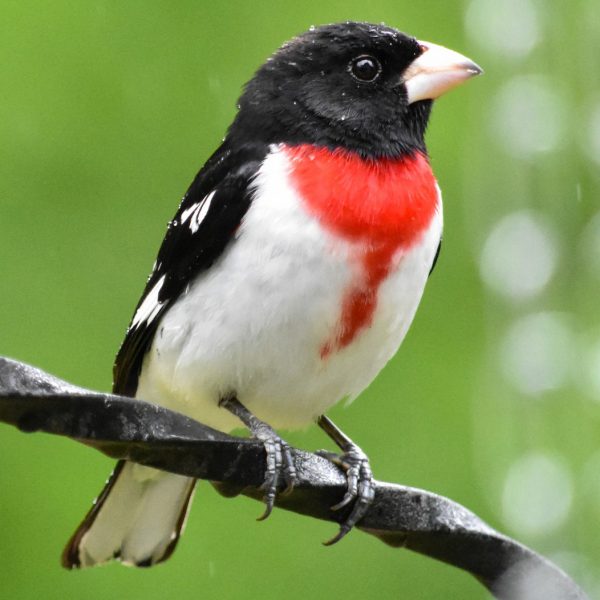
point(280, 464)
point(360, 490)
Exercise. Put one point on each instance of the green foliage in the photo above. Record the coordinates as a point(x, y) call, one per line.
point(106, 112)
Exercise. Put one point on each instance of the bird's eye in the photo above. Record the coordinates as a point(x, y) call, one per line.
point(365, 68)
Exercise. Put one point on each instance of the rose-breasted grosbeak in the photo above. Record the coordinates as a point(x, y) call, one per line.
point(291, 271)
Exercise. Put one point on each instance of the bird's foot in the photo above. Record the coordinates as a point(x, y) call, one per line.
point(280, 466)
point(280, 462)
point(359, 477)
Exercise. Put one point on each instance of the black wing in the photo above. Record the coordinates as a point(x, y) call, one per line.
point(204, 224)
point(435, 258)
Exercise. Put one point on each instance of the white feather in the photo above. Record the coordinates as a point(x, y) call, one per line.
point(138, 519)
point(254, 324)
point(150, 307)
point(197, 212)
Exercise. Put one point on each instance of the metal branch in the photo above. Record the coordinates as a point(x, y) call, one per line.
point(401, 516)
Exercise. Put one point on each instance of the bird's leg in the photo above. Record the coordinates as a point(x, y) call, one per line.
point(355, 463)
point(279, 456)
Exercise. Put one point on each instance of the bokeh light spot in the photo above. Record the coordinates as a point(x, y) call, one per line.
point(592, 364)
point(509, 28)
point(537, 495)
point(590, 483)
point(519, 256)
point(537, 353)
point(580, 568)
point(528, 117)
point(593, 135)
point(590, 246)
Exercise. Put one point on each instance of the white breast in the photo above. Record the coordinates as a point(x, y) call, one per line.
point(254, 323)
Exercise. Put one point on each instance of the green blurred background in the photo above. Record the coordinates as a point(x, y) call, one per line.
point(108, 109)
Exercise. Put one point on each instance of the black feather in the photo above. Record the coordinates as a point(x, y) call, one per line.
point(302, 95)
point(435, 258)
point(185, 253)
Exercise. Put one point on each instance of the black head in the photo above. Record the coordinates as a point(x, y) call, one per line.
point(337, 85)
point(345, 85)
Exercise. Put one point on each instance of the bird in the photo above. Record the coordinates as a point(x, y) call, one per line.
point(290, 273)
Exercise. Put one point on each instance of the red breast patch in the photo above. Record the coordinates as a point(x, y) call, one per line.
point(379, 206)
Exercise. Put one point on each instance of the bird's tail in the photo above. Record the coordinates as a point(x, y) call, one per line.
point(137, 519)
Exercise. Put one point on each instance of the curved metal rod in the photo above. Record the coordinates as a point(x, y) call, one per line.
point(401, 516)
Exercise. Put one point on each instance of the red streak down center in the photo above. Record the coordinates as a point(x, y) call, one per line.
point(378, 206)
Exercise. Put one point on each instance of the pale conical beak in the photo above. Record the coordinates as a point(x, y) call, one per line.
point(436, 71)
